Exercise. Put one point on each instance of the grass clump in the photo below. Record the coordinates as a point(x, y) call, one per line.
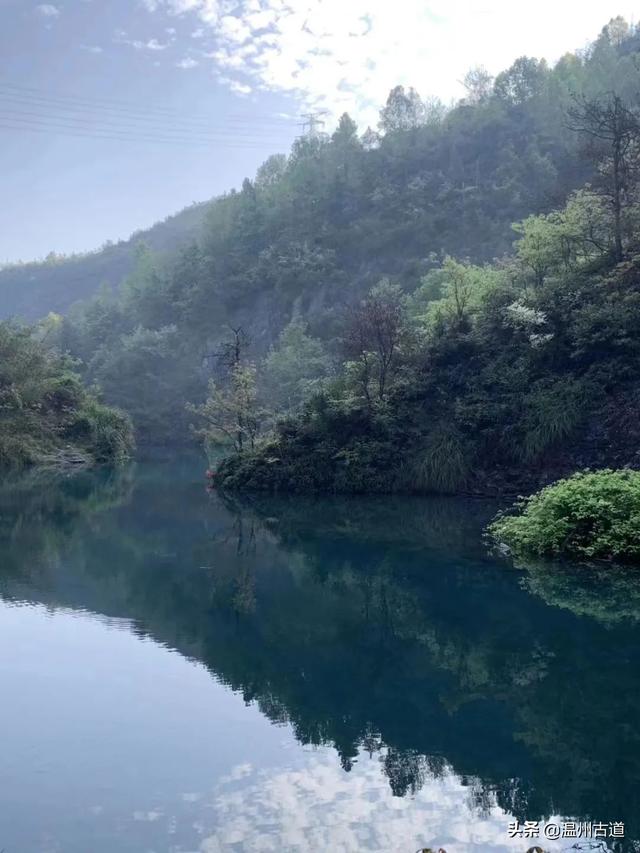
point(590, 515)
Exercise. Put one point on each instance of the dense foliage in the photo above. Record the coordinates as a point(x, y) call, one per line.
point(591, 514)
point(46, 416)
point(481, 380)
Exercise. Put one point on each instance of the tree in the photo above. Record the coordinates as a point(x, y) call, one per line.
point(229, 353)
point(150, 374)
point(478, 83)
point(539, 248)
point(522, 81)
point(343, 162)
point(611, 131)
point(616, 31)
point(194, 300)
point(295, 366)
point(143, 292)
point(434, 111)
point(347, 131)
point(49, 328)
point(231, 413)
point(374, 334)
point(271, 172)
point(98, 322)
point(462, 288)
point(403, 110)
point(564, 239)
point(370, 139)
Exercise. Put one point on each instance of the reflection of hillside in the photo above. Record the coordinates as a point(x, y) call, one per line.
point(355, 622)
point(433, 525)
point(40, 513)
point(519, 673)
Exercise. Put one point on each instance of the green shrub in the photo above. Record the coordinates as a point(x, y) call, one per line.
point(589, 515)
point(104, 431)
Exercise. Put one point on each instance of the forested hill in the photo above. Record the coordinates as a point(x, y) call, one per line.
point(287, 257)
point(437, 182)
point(32, 290)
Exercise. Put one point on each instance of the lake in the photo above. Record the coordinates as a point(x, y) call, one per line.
point(180, 671)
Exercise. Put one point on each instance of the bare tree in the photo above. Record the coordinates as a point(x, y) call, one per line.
point(231, 413)
point(229, 354)
point(612, 131)
point(373, 337)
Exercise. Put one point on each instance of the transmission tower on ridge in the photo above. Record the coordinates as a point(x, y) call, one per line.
point(312, 124)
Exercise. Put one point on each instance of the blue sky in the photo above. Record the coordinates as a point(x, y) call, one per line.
point(116, 114)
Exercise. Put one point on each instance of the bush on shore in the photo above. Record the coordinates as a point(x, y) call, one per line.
point(590, 515)
point(47, 416)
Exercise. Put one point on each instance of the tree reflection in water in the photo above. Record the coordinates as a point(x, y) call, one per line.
point(379, 625)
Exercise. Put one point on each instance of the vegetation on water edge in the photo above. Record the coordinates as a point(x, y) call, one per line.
point(592, 515)
point(47, 417)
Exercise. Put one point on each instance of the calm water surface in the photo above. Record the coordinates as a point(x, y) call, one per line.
point(188, 674)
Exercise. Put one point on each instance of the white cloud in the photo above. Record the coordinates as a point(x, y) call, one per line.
point(320, 807)
point(240, 88)
point(92, 48)
point(187, 62)
point(152, 44)
point(337, 55)
point(232, 29)
point(47, 10)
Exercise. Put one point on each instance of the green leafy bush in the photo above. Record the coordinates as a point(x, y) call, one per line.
point(47, 417)
point(593, 514)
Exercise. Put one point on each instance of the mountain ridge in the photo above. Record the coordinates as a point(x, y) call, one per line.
point(32, 289)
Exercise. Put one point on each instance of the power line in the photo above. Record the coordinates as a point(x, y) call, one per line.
point(177, 134)
point(29, 109)
point(33, 126)
point(43, 104)
point(113, 105)
point(85, 118)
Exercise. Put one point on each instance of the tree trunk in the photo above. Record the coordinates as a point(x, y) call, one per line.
point(617, 202)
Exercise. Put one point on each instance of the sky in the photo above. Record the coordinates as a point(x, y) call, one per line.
point(114, 115)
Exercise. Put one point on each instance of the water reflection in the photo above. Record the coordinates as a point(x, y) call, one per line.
point(319, 807)
point(379, 628)
point(609, 594)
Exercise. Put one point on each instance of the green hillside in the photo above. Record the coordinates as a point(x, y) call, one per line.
point(360, 306)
